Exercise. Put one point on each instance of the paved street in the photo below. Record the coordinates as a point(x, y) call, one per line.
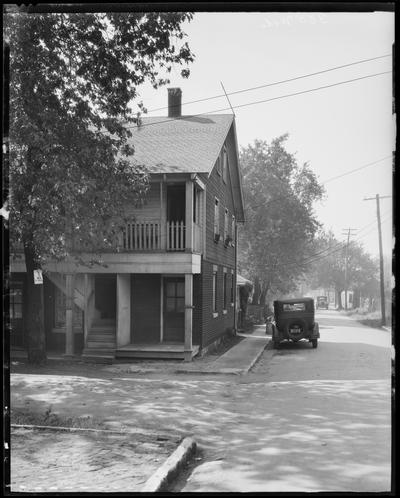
point(302, 420)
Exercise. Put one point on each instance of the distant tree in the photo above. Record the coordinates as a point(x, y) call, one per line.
point(329, 268)
point(73, 78)
point(280, 221)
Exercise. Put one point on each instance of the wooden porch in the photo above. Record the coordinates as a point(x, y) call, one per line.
point(160, 351)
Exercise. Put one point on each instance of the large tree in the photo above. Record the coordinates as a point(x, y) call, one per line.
point(73, 79)
point(280, 221)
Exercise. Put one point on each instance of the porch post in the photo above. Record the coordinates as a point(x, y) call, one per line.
point(189, 216)
point(123, 309)
point(188, 316)
point(69, 331)
point(86, 308)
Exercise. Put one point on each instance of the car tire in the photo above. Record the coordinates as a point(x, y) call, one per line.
point(314, 343)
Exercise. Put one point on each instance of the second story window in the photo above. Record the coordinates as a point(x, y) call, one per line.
point(233, 230)
point(216, 220)
point(226, 218)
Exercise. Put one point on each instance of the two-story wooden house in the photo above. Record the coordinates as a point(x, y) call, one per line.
point(169, 289)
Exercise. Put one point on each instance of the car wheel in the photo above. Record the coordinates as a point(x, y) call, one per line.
point(314, 343)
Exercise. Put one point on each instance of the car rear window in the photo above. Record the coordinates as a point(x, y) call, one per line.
point(294, 307)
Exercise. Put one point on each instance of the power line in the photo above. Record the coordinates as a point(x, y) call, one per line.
point(168, 120)
point(357, 169)
point(276, 82)
point(337, 246)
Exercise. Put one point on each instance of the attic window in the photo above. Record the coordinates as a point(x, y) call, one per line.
point(225, 164)
point(218, 165)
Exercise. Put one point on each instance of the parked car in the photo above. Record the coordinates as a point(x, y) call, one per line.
point(322, 303)
point(293, 320)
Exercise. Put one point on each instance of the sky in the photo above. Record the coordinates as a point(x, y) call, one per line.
point(335, 130)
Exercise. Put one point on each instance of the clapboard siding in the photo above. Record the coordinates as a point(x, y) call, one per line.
point(150, 208)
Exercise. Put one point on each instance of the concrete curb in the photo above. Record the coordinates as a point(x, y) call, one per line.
point(170, 467)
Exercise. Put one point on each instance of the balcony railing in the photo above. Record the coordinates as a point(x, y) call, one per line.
point(151, 236)
point(176, 240)
point(142, 236)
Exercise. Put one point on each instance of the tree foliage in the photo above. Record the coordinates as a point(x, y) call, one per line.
point(329, 267)
point(73, 80)
point(280, 221)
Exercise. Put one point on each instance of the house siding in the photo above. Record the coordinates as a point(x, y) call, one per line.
point(214, 327)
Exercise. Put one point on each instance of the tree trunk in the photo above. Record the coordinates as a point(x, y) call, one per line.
point(34, 310)
point(257, 291)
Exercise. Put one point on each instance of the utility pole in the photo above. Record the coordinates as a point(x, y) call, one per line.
point(348, 232)
point(378, 215)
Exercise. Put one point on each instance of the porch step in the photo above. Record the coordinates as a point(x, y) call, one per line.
point(93, 344)
point(160, 355)
point(104, 322)
point(102, 329)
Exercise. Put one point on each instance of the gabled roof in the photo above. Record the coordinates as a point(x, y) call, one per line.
point(189, 144)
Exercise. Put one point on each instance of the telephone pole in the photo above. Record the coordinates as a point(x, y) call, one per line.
point(378, 215)
point(348, 232)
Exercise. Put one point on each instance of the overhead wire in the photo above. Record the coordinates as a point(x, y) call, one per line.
point(295, 78)
point(239, 106)
point(337, 246)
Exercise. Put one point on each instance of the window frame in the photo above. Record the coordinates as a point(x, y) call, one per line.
point(226, 229)
point(215, 292)
point(224, 289)
point(217, 227)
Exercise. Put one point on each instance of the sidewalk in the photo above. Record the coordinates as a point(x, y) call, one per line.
point(239, 359)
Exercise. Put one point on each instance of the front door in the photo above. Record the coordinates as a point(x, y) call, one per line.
point(174, 310)
point(105, 295)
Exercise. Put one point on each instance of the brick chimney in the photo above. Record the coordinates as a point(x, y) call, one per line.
point(174, 102)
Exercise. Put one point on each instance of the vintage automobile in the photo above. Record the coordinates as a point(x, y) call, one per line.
point(293, 320)
point(322, 303)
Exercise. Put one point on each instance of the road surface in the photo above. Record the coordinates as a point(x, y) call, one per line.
point(308, 419)
point(303, 419)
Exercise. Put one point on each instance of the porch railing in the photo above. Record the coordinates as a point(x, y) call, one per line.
point(176, 236)
point(142, 236)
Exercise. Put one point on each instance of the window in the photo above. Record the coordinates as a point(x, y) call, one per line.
point(16, 302)
point(175, 296)
point(233, 230)
point(224, 288)
point(216, 217)
point(215, 290)
point(226, 224)
point(218, 165)
point(225, 165)
point(232, 291)
point(294, 307)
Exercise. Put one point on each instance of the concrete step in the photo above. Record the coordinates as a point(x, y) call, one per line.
point(166, 355)
point(103, 328)
point(100, 344)
point(101, 337)
point(104, 322)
